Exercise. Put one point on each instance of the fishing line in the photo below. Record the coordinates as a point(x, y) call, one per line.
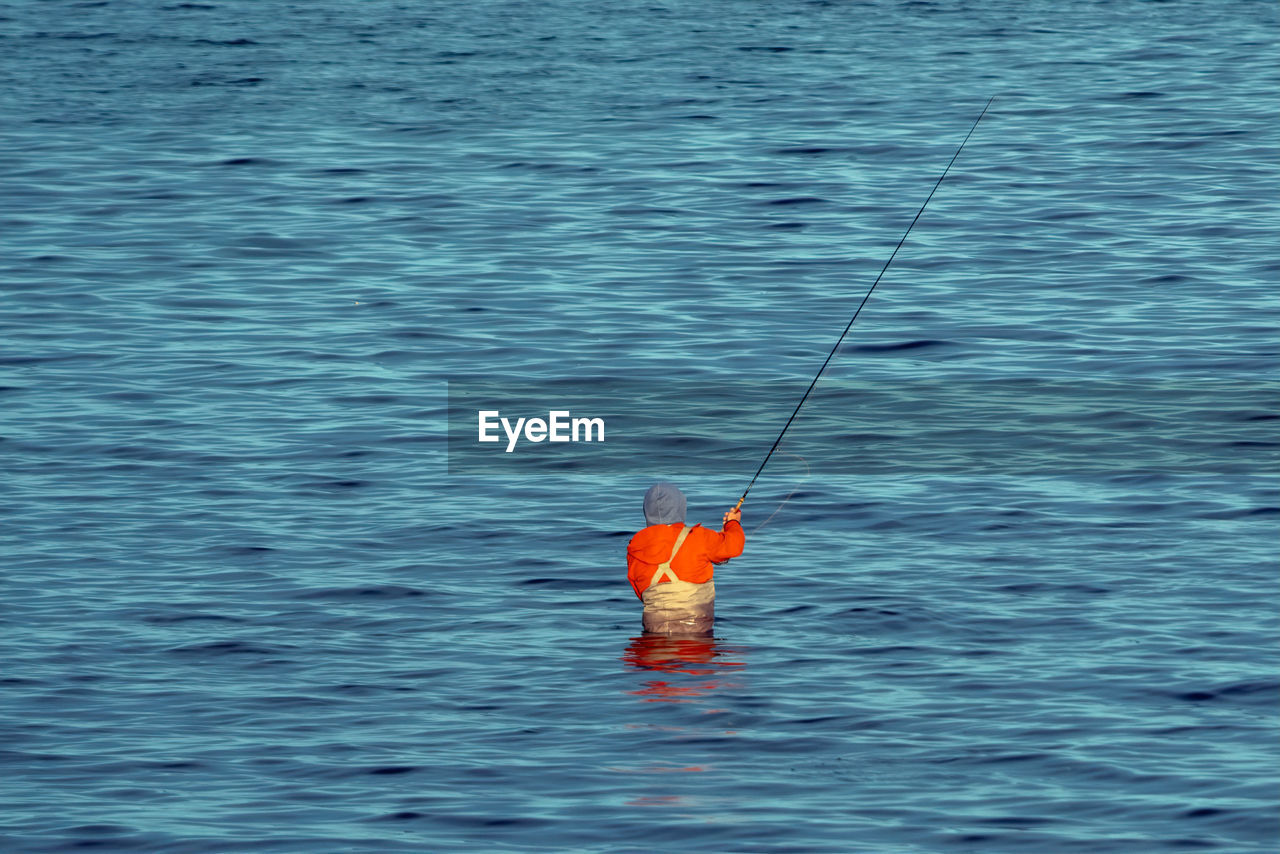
point(865, 297)
point(793, 491)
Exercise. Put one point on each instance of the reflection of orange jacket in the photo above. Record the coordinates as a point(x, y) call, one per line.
point(700, 550)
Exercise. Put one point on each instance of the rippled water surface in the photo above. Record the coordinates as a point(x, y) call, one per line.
point(1010, 584)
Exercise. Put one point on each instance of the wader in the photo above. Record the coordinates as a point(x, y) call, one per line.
point(675, 607)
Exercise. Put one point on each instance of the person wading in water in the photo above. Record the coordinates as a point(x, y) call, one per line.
point(670, 564)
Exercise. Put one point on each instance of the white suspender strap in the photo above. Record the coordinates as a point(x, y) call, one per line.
point(664, 568)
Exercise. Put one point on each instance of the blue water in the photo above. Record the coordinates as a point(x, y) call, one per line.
point(249, 605)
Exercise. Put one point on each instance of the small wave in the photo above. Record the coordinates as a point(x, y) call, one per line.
point(248, 161)
point(75, 36)
point(225, 648)
point(379, 591)
point(568, 583)
point(190, 617)
point(905, 345)
point(1266, 691)
point(802, 149)
point(796, 200)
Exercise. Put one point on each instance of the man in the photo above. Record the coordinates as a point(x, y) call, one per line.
point(670, 564)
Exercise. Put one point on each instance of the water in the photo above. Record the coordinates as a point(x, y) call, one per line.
point(249, 605)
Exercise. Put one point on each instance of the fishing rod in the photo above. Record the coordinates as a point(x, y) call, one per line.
point(865, 297)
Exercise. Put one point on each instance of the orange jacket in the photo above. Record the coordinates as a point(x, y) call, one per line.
point(700, 550)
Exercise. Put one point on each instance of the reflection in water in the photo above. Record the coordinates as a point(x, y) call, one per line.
point(702, 657)
point(685, 670)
